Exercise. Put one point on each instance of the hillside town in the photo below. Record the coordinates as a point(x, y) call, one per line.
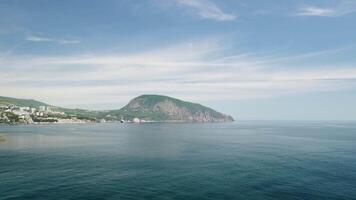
point(12, 114)
point(142, 109)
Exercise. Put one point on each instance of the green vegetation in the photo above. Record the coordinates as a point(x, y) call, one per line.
point(144, 107)
point(81, 114)
point(164, 108)
point(21, 102)
point(12, 117)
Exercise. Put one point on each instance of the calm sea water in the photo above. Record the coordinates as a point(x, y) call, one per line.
point(243, 160)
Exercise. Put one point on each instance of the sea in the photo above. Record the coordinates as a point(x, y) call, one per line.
point(257, 160)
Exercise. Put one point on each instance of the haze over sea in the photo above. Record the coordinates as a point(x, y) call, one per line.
point(240, 160)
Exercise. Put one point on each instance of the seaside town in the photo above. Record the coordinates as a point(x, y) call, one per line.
point(12, 114)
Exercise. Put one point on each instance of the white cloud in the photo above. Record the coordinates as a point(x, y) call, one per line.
point(315, 11)
point(208, 10)
point(68, 41)
point(184, 70)
point(33, 38)
point(343, 7)
point(38, 39)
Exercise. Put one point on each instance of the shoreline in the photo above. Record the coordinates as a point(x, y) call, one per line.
point(114, 122)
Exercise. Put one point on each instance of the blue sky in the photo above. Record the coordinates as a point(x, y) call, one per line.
point(253, 59)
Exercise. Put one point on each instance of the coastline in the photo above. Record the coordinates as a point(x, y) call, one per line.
point(117, 122)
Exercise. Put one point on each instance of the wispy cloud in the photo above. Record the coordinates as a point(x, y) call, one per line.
point(315, 11)
point(343, 7)
point(208, 10)
point(179, 70)
point(33, 38)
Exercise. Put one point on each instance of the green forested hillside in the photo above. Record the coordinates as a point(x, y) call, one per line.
point(164, 108)
point(21, 102)
point(144, 107)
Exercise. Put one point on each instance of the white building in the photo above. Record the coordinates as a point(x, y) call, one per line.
point(25, 108)
point(136, 120)
point(42, 108)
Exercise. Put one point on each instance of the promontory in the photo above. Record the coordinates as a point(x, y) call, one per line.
point(144, 108)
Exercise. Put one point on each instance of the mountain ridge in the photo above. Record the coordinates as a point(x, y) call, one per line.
point(145, 108)
point(21, 102)
point(164, 108)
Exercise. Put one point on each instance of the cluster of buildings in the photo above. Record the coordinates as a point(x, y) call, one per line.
point(12, 114)
point(17, 114)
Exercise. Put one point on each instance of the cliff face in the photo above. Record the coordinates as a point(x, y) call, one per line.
point(163, 108)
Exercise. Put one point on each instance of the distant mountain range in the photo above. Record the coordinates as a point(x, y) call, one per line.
point(144, 108)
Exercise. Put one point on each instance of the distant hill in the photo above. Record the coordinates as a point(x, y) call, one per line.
point(79, 113)
point(164, 108)
point(144, 107)
point(21, 102)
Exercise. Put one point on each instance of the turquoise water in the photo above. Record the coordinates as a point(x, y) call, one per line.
point(243, 160)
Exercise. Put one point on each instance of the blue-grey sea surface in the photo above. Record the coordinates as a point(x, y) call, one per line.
point(241, 160)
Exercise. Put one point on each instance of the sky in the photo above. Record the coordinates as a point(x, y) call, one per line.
point(252, 59)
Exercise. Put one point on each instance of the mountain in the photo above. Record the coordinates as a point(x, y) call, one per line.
point(80, 113)
point(164, 108)
point(144, 107)
point(21, 102)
